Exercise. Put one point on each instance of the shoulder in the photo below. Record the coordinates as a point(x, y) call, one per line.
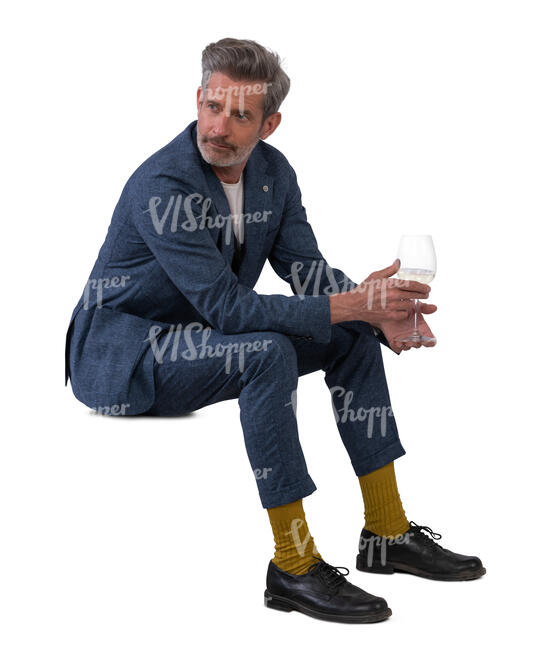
point(274, 157)
point(277, 164)
point(175, 164)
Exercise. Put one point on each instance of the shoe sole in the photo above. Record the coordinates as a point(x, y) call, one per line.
point(286, 605)
point(398, 567)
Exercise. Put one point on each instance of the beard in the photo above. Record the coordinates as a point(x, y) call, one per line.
point(225, 158)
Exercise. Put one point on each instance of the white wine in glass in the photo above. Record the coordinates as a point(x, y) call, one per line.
point(417, 262)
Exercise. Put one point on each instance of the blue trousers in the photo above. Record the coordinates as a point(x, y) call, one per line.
point(198, 367)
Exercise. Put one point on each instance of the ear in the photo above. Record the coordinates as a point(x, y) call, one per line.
point(198, 95)
point(270, 124)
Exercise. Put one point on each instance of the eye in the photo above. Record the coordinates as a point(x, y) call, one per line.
point(242, 116)
point(211, 105)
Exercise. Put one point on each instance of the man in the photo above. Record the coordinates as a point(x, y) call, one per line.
point(169, 322)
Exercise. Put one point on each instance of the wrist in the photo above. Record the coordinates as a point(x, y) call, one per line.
point(341, 307)
point(346, 306)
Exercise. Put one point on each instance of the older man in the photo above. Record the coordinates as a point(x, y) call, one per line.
point(168, 323)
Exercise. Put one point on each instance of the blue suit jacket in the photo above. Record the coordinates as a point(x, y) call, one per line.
point(159, 266)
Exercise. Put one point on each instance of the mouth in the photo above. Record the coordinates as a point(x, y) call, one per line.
point(219, 146)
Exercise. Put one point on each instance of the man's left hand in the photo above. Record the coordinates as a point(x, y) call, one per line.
point(394, 330)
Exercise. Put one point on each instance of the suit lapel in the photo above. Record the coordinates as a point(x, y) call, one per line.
point(219, 206)
point(257, 198)
point(258, 192)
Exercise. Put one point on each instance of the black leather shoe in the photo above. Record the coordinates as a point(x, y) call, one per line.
point(414, 552)
point(323, 592)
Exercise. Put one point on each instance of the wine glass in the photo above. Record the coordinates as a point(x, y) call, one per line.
point(417, 262)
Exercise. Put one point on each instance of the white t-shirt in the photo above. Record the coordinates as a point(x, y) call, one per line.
point(234, 194)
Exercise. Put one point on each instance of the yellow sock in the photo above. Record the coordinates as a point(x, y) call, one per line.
point(383, 511)
point(294, 545)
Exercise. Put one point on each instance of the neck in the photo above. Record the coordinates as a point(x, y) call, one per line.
point(229, 174)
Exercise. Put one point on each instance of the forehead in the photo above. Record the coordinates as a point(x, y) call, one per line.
point(221, 88)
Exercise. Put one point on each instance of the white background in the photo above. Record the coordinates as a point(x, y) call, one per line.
point(402, 117)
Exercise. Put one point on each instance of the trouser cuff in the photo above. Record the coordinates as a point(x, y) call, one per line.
point(298, 490)
point(383, 457)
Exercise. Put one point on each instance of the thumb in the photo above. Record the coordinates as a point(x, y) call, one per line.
point(386, 272)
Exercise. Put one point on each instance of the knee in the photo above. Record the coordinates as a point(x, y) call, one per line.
point(277, 349)
point(278, 345)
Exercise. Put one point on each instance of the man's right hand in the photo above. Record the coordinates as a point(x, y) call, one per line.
point(380, 299)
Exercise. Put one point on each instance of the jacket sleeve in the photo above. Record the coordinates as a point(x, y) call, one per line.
point(189, 256)
point(296, 258)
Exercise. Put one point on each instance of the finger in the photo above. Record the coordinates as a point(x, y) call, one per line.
point(427, 308)
point(396, 315)
point(392, 310)
point(402, 345)
point(399, 294)
point(386, 272)
point(398, 304)
point(424, 308)
point(410, 285)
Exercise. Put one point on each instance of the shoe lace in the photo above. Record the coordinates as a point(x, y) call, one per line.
point(331, 576)
point(426, 529)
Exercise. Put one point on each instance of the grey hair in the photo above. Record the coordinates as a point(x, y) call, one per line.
point(244, 60)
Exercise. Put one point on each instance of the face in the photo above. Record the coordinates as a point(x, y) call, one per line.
point(230, 120)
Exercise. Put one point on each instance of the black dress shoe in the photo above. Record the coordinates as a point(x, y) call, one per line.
point(323, 592)
point(414, 552)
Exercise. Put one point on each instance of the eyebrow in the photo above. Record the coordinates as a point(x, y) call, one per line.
point(236, 110)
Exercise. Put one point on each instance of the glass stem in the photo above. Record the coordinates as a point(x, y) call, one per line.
point(416, 331)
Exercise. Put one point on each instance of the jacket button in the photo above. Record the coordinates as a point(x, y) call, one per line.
point(265, 188)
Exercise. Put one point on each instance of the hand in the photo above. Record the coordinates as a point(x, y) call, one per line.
point(381, 299)
point(393, 330)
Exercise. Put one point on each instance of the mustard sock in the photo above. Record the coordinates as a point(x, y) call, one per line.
point(294, 545)
point(383, 511)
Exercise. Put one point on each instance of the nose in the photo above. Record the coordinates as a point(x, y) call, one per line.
point(220, 125)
